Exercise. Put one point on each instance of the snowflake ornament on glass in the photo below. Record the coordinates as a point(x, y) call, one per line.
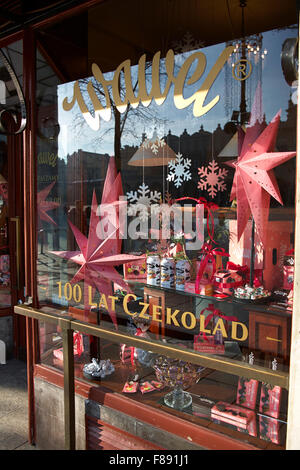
point(212, 178)
point(141, 200)
point(186, 44)
point(153, 144)
point(179, 170)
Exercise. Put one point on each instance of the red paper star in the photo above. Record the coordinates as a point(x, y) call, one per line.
point(44, 206)
point(97, 257)
point(254, 180)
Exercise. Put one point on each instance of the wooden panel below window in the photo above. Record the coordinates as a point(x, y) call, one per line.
point(103, 436)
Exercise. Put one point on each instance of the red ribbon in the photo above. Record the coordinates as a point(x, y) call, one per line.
point(244, 270)
point(215, 312)
point(209, 254)
point(210, 207)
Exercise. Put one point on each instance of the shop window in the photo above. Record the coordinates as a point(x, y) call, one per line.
point(170, 217)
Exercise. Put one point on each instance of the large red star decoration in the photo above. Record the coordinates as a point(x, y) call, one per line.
point(254, 180)
point(97, 258)
point(112, 191)
point(44, 206)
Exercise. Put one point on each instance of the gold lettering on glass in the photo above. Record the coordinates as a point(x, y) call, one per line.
point(180, 81)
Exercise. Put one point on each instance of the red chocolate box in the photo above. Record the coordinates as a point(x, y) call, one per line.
point(233, 414)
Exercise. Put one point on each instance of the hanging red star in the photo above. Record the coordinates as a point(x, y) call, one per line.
point(97, 258)
point(254, 180)
point(44, 206)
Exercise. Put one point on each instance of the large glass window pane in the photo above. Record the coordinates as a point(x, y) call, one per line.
point(166, 192)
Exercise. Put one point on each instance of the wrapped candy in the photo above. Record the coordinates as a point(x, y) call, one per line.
point(251, 293)
point(173, 372)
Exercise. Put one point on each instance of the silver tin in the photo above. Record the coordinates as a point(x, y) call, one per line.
point(167, 273)
point(153, 270)
point(183, 273)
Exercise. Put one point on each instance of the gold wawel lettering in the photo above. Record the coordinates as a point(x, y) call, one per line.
point(130, 98)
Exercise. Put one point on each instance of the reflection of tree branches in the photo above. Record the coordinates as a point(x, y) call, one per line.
point(122, 124)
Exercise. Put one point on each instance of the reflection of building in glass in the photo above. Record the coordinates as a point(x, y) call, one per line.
point(85, 171)
point(201, 147)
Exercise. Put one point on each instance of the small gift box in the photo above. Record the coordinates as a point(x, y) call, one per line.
point(206, 266)
point(217, 323)
point(206, 344)
point(233, 414)
point(226, 281)
point(269, 429)
point(205, 288)
point(270, 400)
point(135, 269)
point(247, 392)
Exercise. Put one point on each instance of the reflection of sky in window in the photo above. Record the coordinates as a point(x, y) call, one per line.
point(167, 117)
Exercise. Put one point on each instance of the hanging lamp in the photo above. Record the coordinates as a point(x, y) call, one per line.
point(152, 152)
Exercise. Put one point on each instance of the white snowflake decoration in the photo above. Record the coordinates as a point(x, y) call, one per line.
point(187, 43)
point(212, 178)
point(179, 170)
point(141, 200)
point(153, 144)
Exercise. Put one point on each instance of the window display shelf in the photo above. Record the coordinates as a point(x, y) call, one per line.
point(212, 387)
point(230, 366)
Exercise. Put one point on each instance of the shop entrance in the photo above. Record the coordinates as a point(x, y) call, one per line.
point(12, 327)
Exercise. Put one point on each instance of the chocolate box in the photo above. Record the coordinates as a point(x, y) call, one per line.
point(226, 281)
point(205, 288)
point(208, 345)
point(270, 400)
point(247, 392)
point(269, 429)
point(233, 414)
point(135, 269)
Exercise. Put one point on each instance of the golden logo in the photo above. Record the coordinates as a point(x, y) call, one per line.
point(180, 81)
point(242, 69)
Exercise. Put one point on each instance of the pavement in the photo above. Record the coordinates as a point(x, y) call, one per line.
point(14, 406)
